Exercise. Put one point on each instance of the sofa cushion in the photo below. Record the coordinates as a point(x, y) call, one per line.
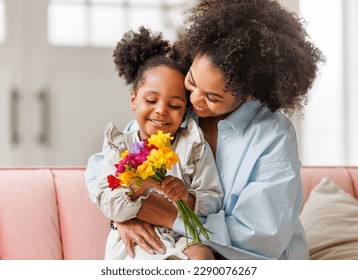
point(312, 175)
point(29, 226)
point(330, 219)
point(84, 228)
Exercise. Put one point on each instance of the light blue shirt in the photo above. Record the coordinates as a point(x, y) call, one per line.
point(259, 168)
point(258, 163)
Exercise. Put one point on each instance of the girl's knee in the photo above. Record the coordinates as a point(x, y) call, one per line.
point(199, 252)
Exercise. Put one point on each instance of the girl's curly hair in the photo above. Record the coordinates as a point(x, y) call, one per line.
point(139, 51)
point(262, 50)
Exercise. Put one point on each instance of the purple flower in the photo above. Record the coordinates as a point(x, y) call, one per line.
point(137, 147)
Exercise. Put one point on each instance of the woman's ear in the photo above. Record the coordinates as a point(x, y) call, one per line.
point(133, 97)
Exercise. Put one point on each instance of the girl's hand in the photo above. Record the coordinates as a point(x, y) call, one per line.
point(138, 191)
point(136, 232)
point(174, 189)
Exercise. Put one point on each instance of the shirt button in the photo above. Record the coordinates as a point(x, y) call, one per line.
point(223, 137)
point(221, 176)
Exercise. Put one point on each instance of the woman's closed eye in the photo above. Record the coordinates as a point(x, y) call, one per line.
point(191, 82)
point(210, 99)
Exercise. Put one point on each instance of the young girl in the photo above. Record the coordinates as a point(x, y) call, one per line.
point(159, 101)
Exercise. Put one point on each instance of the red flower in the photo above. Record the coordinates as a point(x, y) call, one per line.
point(113, 182)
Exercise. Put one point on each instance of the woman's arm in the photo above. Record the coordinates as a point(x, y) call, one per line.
point(155, 210)
point(141, 233)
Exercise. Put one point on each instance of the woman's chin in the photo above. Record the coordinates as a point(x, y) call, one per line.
point(201, 113)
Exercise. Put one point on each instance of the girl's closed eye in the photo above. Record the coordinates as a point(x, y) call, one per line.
point(175, 107)
point(150, 101)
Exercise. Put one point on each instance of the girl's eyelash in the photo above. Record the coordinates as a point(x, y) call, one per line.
point(175, 107)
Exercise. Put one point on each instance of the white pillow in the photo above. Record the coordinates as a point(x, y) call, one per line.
point(330, 219)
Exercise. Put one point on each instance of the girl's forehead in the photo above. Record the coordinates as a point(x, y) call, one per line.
point(164, 80)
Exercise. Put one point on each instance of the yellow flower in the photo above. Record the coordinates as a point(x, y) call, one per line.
point(127, 177)
point(171, 157)
point(145, 170)
point(124, 154)
point(160, 139)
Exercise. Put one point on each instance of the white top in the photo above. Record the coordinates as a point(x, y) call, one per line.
point(196, 167)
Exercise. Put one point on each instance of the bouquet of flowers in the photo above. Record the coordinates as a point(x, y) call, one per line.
point(151, 158)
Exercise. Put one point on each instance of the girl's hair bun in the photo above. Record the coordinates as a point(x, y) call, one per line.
point(135, 49)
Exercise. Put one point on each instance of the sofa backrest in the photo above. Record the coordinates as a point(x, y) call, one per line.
point(345, 177)
point(46, 213)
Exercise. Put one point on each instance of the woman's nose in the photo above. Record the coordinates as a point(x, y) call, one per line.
point(195, 96)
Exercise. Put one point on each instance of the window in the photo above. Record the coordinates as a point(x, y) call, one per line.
point(101, 23)
point(2, 21)
point(329, 130)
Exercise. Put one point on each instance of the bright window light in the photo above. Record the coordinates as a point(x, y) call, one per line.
point(101, 23)
point(2, 21)
point(322, 134)
point(106, 25)
point(67, 24)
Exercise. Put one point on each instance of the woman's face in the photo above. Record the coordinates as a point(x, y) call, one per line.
point(160, 101)
point(206, 84)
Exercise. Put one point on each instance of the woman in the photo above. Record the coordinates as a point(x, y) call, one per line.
point(251, 60)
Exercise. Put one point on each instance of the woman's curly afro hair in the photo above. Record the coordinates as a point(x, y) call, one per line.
point(262, 50)
point(140, 51)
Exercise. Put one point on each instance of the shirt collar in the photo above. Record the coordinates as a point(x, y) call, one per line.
point(242, 116)
point(238, 119)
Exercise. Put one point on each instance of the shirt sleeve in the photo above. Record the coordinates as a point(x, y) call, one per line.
point(205, 185)
point(259, 221)
point(265, 216)
point(115, 204)
point(92, 171)
point(94, 163)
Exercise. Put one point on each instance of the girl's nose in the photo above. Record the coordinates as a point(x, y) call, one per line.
point(160, 109)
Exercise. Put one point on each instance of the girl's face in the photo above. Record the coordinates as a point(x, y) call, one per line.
point(206, 84)
point(160, 101)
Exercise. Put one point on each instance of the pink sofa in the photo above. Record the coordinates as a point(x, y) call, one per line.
point(46, 213)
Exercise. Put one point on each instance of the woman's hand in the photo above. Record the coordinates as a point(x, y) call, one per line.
point(136, 232)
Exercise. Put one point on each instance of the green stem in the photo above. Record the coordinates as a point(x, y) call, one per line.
point(191, 221)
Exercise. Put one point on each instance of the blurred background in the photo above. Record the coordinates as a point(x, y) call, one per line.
point(59, 87)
